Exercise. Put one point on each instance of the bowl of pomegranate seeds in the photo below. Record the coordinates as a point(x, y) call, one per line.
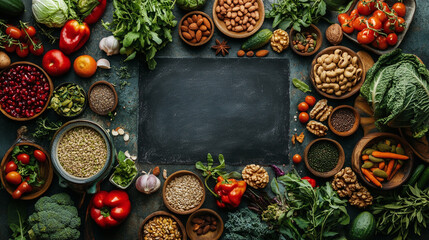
point(25, 90)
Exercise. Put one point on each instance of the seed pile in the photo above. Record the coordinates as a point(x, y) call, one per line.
point(184, 192)
point(102, 99)
point(162, 228)
point(323, 156)
point(82, 152)
point(343, 120)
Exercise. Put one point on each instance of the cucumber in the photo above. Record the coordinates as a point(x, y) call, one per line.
point(258, 40)
point(11, 8)
point(416, 174)
point(423, 182)
point(363, 227)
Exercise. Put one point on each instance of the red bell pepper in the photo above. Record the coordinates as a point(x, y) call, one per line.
point(310, 180)
point(96, 12)
point(73, 36)
point(109, 209)
point(229, 192)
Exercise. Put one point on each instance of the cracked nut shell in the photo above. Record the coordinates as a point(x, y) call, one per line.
point(255, 176)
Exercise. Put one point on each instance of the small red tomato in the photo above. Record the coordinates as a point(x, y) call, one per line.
point(380, 15)
point(13, 32)
point(392, 39)
point(399, 25)
point(310, 100)
point(23, 158)
point(354, 14)
point(360, 23)
point(380, 42)
point(366, 36)
point(375, 23)
point(10, 166)
point(383, 6)
point(400, 9)
point(303, 107)
point(31, 31)
point(9, 47)
point(22, 51)
point(39, 155)
point(13, 178)
point(365, 7)
point(347, 27)
point(388, 27)
point(342, 18)
point(38, 50)
point(296, 158)
point(303, 117)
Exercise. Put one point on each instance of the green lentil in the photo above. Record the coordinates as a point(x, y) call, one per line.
point(323, 156)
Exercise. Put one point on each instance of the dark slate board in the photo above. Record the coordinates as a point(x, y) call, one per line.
point(238, 107)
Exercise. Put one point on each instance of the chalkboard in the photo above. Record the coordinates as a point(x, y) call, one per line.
point(235, 106)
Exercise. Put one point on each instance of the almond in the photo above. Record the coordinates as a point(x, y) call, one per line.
point(199, 16)
point(200, 22)
point(198, 35)
point(250, 53)
point(193, 26)
point(156, 171)
point(241, 53)
point(184, 28)
point(187, 35)
point(203, 39)
point(194, 18)
point(203, 28)
point(185, 23)
point(206, 33)
point(194, 40)
point(206, 23)
point(262, 53)
point(192, 33)
point(190, 20)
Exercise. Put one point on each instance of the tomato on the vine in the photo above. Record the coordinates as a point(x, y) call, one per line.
point(400, 9)
point(375, 23)
point(388, 27)
point(392, 39)
point(365, 7)
point(296, 158)
point(13, 178)
point(366, 36)
point(22, 51)
point(303, 117)
point(347, 27)
point(10, 166)
point(354, 14)
point(399, 25)
point(360, 23)
point(383, 6)
point(303, 107)
point(310, 100)
point(13, 32)
point(30, 30)
point(380, 42)
point(38, 50)
point(23, 158)
point(342, 18)
point(9, 47)
point(380, 15)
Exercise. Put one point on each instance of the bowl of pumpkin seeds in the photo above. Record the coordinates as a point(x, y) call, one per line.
point(68, 100)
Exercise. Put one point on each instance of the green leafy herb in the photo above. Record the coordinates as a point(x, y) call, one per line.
point(45, 128)
point(296, 13)
point(142, 26)
point(398, 215)
point(125, 171)
point(301, 85)
point(16, 218)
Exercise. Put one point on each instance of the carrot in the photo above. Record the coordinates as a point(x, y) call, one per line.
point(381, 165)
point(371, 177)
point(380, 179)
point(398, 166)
point(390, 167)
point(379, 154)
point(367, 179)
point(365, 157)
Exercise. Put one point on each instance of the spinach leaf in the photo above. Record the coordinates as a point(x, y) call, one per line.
point(301, 85)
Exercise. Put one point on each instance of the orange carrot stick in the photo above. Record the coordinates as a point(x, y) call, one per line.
point(381, 165)
point(390, 167)
point(365, 157)
point(398, 166)
point(367, 179)
point(371, 177)
point(380, 179)
point(379, 154)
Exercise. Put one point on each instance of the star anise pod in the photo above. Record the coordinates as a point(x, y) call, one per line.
point(221, 47)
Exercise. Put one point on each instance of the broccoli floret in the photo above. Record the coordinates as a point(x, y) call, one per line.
point(55, 218)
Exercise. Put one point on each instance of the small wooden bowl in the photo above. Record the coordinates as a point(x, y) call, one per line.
point(165, 214)
point(46, 172)
point(337, 168)
point(84, 105)
point(179, 174)
point(211, 28)
point(220, 24)
point(354, 127)
point(114, 92)
point(400, 177)
point(51, 90)
point(209, 235)
point(311, 29)
point(355, 88)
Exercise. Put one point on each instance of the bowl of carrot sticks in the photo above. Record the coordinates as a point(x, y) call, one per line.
point(382, 160)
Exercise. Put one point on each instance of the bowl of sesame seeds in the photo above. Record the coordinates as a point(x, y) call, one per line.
point(102, 98)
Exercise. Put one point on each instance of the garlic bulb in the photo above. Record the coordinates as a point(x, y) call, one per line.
point(148, 183)
point(110, 45)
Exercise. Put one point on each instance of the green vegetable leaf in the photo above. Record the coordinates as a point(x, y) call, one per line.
point(301, 85)
point(275, 187)
point(121, 156)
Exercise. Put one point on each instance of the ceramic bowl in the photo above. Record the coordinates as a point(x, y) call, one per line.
point(186, 17)
point(311, 29)
point(46, 172)
point(114, 92)
point(51, 90)
point(211, 235)
point(220, 24)
point(168, 181)
point(337, 168)
point(164, 214)
point(400, 177)
point(355, 125)
point(84, 105)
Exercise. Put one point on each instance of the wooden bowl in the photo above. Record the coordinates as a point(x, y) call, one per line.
point(400, 177)
point(165, 214)
point(354, 127)
point(311, 29)
point(84, 105)
point(179, 174)
point(336, 169)
point(215, 235)
point(46, 173)
point(51, 90)
point(220, 24)
point(211, 28)
point(114, 92)
point(354, 89)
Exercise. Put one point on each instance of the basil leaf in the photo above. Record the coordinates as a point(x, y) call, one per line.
point(301, 85)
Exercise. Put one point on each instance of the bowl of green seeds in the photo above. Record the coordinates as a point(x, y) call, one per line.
point(324, 157)
point(68, 100)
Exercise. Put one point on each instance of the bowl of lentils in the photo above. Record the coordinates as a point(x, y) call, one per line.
point(102, 98)
point(162, 225)
point(324, 157)
point(183, 192)
point(344, 120)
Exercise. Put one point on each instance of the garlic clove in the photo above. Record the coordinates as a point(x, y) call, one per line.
point(133, 158)
point(103, 63)
point(114, 133)
point(127, 154)
point(126, 137)
point(121, 131)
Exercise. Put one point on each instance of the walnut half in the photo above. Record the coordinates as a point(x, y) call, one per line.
point(255, 176)
point(346, 184)
point(317, 128)
point(321, 110)
point(279, 40)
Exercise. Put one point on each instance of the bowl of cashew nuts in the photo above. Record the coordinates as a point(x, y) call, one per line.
point(337, 72)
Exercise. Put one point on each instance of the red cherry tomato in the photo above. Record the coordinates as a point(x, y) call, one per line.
point(400, 9)
point(354, 14)
point(10, 166)
point(23, 158)
point(380, 42)
point(392, 39)
point(366, 36)
point(388, 27)
point(296, 158)
point(38, 50)
point(342, 18)
point(375, 23)
point(383, 6)
point(9, 48)
point(365, 7)
point(39, 155)
point(347, 26)
point(303, 107)
point(303, 117)
point(380, 15)
point(399, 25)
point(13, 32)
point(360, 23)
point(310, 100)
point(13, 178)
point(22, 51)
point(30, 30)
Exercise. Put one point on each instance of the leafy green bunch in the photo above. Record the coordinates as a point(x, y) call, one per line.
point(125, 171)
